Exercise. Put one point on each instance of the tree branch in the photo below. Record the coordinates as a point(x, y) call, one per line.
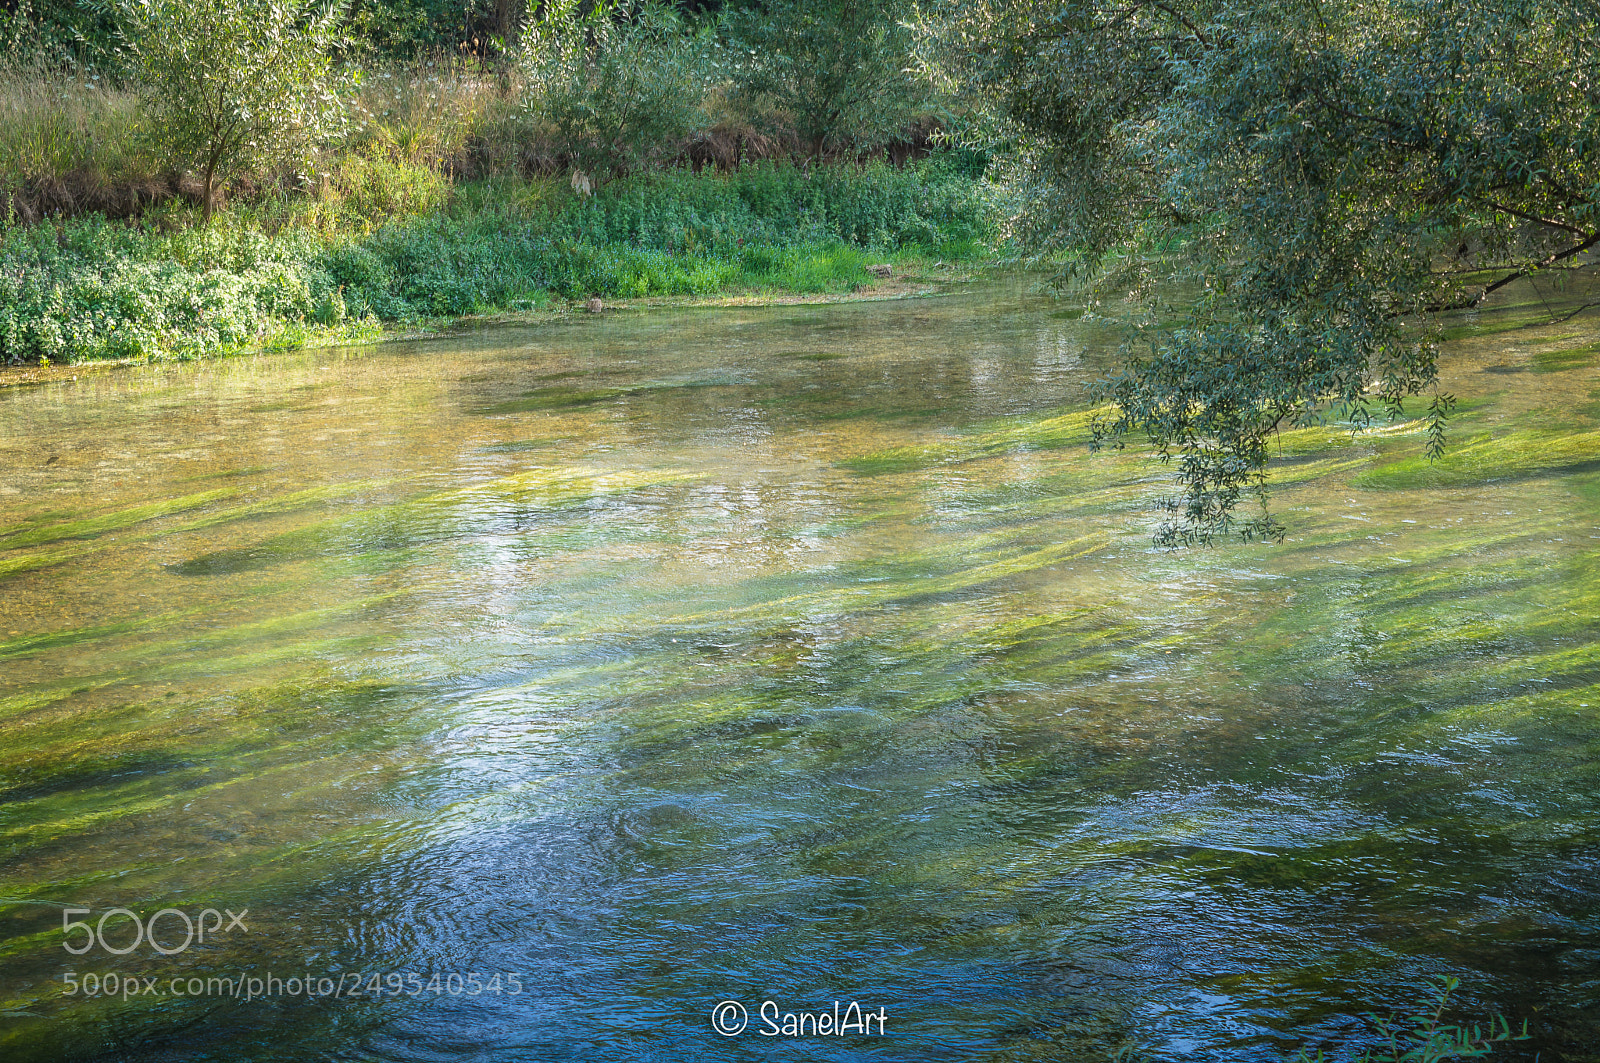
point(1514, 212)
point(1546, 263)
point(1330, 105)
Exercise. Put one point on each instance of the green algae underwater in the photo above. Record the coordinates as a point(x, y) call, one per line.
point(798, 654)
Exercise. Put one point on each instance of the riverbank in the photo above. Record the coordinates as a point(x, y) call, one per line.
point(913, 279)
point(293, 273)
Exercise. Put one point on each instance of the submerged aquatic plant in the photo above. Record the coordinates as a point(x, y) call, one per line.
point(1422, 1036)
point(916, 671)
point(1419, 1036)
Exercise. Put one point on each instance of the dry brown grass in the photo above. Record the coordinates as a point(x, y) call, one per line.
point(430, 113)
point(70, 143)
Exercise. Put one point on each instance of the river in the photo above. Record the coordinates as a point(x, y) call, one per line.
point(572, 679)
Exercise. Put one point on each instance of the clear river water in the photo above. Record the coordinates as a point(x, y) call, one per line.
point(525, 694)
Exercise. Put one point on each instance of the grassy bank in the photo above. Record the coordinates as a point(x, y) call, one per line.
point(396, 245)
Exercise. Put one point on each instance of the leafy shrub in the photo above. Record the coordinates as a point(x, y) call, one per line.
point(367, 281)
point(837, 68)
point(616, 87)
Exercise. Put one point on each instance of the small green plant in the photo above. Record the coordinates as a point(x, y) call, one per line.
point(229, 82)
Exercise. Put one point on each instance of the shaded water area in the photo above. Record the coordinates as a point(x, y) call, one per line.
point(797, 654)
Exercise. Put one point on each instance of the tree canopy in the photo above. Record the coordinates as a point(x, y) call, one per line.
point(1323, 178)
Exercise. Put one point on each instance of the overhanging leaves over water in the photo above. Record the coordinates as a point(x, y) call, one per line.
point(702, 693)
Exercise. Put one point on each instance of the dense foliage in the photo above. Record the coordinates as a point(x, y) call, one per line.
point(363, 192)
point(262, 96)
point(1326, 177)
point(87, 30)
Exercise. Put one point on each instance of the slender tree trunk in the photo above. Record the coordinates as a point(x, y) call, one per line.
point(508, 20)
point(208, 196)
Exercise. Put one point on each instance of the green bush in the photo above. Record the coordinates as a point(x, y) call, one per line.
point(837, 69)
point(615, 85)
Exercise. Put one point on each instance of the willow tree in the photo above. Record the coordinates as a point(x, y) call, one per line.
point(1327, 176)
point(229, 83)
